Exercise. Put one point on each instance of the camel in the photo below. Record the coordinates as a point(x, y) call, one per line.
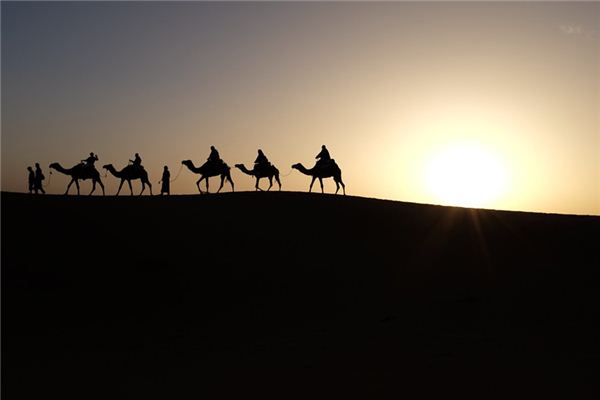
point(209, 169)
point(80, 171)
point(128, 174)
point(328, 171)
point(268, 171)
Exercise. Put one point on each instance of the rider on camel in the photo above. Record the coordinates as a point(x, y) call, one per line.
point(323, 157)
point(261, 160)
point(89, 162)
point(137, 161)
point(214, 156)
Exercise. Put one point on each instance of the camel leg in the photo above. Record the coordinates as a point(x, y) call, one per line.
point(278, 181)
point(130, 188)
point(149, 186)
point(93, 186)
point(321, 182)
point(69, 186)
point(270, 183)
point(198, 184)
point(231, 182)
point(222, 182)
point(256, 186)
point(143, 187)
point(77, 186)
point(311, 184)
point(207, 184)
point(120, 186)
point(337, 187)
point(343, 186)
point(102, 186)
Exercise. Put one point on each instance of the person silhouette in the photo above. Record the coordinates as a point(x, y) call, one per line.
point(39, 177)
point(89, 162)
point(323, 158)
point(31, 180)
point(166, 180)
point(137, 161)
point(214, 155)
point(261, 160)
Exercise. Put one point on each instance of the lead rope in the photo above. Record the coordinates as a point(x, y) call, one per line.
point(176, 176)
point(283, 176)
point(49, 179)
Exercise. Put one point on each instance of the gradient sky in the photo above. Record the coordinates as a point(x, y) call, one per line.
point(385, 86)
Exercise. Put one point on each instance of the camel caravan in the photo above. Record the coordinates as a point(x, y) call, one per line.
point(325, 167)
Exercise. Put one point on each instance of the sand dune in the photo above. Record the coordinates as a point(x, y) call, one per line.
point(295, 295)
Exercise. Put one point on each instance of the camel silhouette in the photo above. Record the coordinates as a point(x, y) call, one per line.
point(268, 172)
point(80, 171)
point(328, 171)
point(209, 169)
point(128, 174)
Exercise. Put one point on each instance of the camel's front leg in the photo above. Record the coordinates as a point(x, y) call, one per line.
point(198, 184)
point(130, 188)
point(69, 186)
point(143, 188)
point(120, 186)
point(102, 186)
point(256, 186)
point(311, 184)
point(321, 182)
point(93, 187)
point(77, 186)
point(270, 183)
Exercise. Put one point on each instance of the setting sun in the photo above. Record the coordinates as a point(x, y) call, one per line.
point(466, 175)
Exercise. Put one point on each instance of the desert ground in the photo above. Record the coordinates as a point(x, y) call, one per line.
point(295, 295)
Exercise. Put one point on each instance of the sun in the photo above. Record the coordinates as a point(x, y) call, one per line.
point(468, 175)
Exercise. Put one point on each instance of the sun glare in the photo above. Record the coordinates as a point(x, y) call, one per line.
point(466, 175)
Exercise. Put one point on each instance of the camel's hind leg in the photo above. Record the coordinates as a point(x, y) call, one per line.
point(144, 183)
point(130, 187)
point(77, 186)
point(222, 182)
point(278, 181)
point(321, 183)
point(102, 186)
point(93, 186)
point(270, 183)
point(338, 182)
point(231, 182)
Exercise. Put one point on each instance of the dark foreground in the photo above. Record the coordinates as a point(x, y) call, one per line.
point(294, 295)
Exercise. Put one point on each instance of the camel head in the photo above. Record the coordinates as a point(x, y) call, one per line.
point(296, 166)
point(107, 166)
point(239, 166)
point(54, 165)
point(187, 162)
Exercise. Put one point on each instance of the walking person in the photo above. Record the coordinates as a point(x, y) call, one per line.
point(39, 177)
point(31, 180)
point(166, 182)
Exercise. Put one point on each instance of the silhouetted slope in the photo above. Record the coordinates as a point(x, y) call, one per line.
point(294, 294)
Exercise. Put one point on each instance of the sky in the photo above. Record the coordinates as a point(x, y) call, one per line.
point(486, 104)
